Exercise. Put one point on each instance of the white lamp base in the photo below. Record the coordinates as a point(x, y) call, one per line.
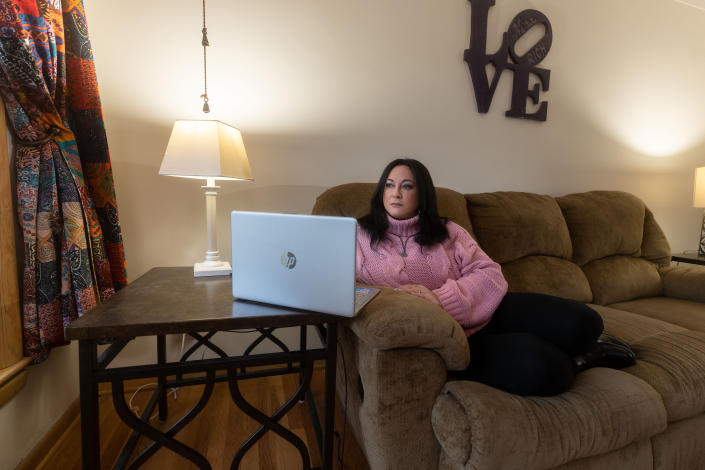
point(212, 268)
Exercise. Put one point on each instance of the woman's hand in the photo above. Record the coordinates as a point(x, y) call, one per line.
point(420, 291)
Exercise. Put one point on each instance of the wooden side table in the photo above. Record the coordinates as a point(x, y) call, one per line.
point(691, 258)
point(171, 301)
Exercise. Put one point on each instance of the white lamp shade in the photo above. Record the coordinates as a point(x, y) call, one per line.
point(206, 149)
point(699, 187)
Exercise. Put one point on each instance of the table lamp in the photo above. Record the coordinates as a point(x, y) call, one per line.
point(209, 150)
point(699, 201)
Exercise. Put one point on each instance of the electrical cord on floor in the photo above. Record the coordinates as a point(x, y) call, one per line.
point(136, 409)
point(175, 390)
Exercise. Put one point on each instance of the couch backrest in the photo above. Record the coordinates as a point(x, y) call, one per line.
point(528, 235)
point(353, 200)
point(617, 243)
point(598, 246)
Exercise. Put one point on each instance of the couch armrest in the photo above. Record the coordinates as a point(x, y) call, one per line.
point(396, 319)
point(682, 282)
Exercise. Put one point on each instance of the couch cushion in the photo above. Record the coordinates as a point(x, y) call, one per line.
point(635, 456)
point(632, 327)
point(346, 200)
point(654, 246)
point(674, 365)
point(671, 361)
point(685, 313)
point(511, 225)
point(603, 223)
point(619, 278)
point(547, 275)
point(353, 200)
point(681, 446)
point(604, 410)
point(683, 282)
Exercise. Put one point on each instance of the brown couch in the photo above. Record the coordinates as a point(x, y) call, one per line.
point(603, 248)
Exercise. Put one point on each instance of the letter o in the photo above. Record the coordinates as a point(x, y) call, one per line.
point(522, 23)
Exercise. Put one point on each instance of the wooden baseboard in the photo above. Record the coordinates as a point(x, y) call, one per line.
point(8, 373)
point(43, 450)
point(12, 380)
point(10, 388)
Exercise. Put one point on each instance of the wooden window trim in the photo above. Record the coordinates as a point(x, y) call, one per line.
point(12, 363)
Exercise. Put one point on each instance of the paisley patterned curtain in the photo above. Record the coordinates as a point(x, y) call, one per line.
point(73, 252)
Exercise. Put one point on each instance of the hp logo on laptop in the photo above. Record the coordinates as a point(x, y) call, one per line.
point(289, 260)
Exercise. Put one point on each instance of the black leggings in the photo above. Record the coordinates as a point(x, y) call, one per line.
point(528, 346)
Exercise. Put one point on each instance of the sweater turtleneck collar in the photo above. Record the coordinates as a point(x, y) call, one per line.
point(403, 227)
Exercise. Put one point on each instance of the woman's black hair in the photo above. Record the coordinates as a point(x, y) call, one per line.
point(432, 227)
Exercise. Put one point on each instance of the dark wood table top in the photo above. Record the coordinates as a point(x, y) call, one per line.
point(173, 301)
point(692, 258)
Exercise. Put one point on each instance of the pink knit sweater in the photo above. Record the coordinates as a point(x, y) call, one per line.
point(468, 284)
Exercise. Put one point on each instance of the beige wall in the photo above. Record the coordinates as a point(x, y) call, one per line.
point(326, 92)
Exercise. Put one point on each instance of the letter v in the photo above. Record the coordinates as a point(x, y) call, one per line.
point(477, 57)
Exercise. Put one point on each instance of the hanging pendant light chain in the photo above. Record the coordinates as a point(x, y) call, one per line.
point(205, 43)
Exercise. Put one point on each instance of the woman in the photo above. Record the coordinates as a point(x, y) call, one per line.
point(528, 344)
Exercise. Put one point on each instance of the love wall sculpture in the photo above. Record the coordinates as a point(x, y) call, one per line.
point(506, 58)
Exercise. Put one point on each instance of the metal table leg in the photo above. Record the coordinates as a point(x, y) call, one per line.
point(161, 379)
point(163, 439)
point(331, 357)
point(90, 438)
point(270, 423)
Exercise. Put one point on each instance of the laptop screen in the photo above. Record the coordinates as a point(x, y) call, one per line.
point(300, 261)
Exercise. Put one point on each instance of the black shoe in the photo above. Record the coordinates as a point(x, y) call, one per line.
point(609, 355)
point(609, 339)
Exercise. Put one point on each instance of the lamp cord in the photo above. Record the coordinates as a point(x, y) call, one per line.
point(205, 43)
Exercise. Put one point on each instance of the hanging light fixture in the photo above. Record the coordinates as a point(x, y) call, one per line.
point(205, 43)
point(210, 150)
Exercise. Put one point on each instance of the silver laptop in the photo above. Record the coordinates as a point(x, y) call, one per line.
point(300, 261)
